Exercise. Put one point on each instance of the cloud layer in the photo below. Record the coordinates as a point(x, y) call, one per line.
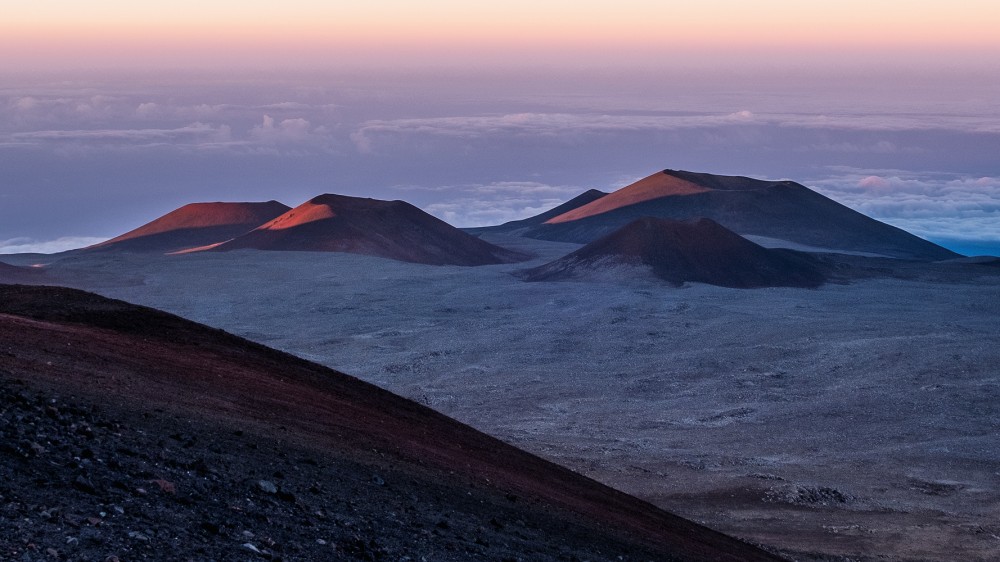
point(495, 203)
point(98, 157)
point(571, 126)
point(932, 205)
point(32, 246)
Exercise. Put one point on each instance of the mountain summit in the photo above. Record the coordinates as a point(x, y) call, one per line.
point(193, 225)
point(782, 210)
point(389, 229)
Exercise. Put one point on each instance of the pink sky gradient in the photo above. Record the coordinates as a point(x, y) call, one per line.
point(112, 33)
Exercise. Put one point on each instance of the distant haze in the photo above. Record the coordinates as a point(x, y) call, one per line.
point(114, 113)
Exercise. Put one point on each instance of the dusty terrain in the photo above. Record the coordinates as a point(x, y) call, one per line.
point(855, 420)
point(179, 441)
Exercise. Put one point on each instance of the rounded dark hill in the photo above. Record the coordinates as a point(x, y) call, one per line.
point(194, 225)
point(16, 274)
point(139, 433)
point(699, 250)
point(388, 229)
point(783, 210)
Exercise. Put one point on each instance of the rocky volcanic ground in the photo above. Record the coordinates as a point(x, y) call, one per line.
point(130, 434)
point(720, 404)
point(79, 482)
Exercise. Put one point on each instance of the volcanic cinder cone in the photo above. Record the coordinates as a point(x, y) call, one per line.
point(389, 229)
point(782, 210)
point(194, 225)
point(700, 250)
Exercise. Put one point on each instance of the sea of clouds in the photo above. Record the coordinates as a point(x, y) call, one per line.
point(87, 159)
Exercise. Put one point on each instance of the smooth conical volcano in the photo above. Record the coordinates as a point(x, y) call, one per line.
point(194, 225)
point(222, 434)
point(701, 251)
point(650, 188)
point(782, 210)
point(389, 229)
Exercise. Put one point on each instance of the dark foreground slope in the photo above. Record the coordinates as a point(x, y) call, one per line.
point(699, 250)
point(193, 225)
point(777, 209)
point(133, 433)
point(389, 229)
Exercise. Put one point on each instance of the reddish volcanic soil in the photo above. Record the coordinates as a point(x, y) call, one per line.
point(776, 209)
point(389, 229)
point(194, 225)
point(651, 187)
point(133, 433)
point(699, 250)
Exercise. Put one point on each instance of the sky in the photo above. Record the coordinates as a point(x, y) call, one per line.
point(190, 32)
point(113, 113)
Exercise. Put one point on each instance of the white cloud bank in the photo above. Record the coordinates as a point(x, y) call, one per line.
point(564, 127)
point(104, 139)
point(575, 126)
point(931, 205)
point(495, 203)
point(32, 246)
point(290, 131)
point(194, 133)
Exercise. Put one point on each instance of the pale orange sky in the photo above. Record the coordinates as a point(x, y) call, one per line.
point(206, 31)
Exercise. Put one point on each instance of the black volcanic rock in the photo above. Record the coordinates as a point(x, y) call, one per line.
point(776, 209)
point(193, 225)
point(389, 229)
point(129, 433)
point(699, 250)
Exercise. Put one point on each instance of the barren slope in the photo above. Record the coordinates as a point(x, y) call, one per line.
point(141, 363)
